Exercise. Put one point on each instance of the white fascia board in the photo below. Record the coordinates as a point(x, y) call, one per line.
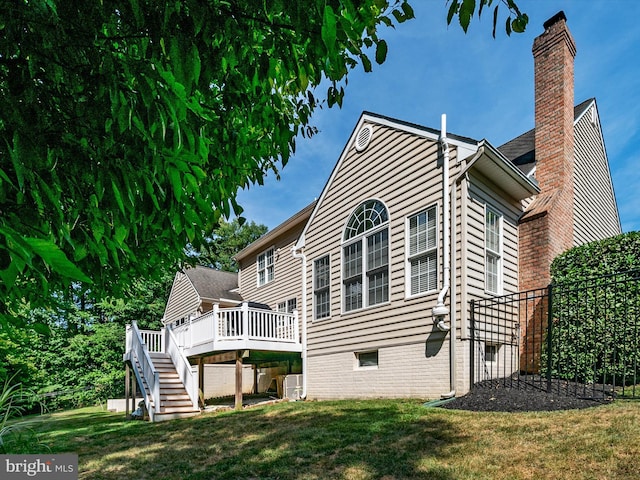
point(465, 149)
point(585, 111)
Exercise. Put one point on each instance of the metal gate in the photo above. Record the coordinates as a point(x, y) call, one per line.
point(579, 339)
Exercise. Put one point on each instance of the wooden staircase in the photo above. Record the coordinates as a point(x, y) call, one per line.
point(174, 399)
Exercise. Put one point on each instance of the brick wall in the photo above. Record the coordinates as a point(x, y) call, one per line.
point(546, 228)
point(403, 371)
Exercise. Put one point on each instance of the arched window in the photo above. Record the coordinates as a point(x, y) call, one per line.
point(365, 256)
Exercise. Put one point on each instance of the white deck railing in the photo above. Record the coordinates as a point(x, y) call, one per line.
point(139, 348)
point(240, 323)
point(187, 373)
point(153, 339)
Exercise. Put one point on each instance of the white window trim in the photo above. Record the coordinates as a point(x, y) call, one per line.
point(356, 360)
point(313, 272)
point(407, 257)
point(361, 238)
point(284, 305)
point(365, 280)
point(499, 254)
point(496, 348)
point(273, 265)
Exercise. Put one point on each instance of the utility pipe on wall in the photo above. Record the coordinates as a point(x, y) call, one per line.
point(452, 264)
point(440, 311)
point(294, 251)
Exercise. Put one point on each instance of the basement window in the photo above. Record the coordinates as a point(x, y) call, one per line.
point(490, 352)
point(367, 360)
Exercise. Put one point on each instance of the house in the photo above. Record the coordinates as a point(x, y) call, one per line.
point(413, 224)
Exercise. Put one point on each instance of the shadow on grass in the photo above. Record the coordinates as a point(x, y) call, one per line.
point(312, 440)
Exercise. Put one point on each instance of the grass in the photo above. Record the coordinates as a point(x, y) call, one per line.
point(378, 439)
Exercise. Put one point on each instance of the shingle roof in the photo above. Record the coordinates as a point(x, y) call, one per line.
point(521, 150)
point(213, 284)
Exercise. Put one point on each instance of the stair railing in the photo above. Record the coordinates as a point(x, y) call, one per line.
point(149, 372)
point(188, 374)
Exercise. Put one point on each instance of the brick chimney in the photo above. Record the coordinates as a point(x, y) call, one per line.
point(546, 228)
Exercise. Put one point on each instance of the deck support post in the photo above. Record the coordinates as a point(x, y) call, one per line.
point(255, 378)
point(127, 386)
point(201, 381)
point(239, 354)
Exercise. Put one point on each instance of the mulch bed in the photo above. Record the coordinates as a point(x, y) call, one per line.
point(528, 395)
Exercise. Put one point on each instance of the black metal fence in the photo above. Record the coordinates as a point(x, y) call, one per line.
point(579, 339)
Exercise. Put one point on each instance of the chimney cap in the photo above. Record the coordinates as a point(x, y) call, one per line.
point(555, 19)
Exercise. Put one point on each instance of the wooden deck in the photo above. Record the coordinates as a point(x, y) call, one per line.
point(227, 334)
point(241, 328)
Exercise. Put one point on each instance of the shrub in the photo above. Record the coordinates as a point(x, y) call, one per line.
point(15, 436)
point(596, 312)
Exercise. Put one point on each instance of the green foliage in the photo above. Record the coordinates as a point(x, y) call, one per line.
point(79, 360)
point(596, 307)
point(604, 257)
point(226, 241)
point(15, 436)
point(128, 126)
point(516, 20)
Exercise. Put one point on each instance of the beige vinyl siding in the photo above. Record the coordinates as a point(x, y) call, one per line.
point(286, 282)
point(484, 194)
point(183, 299)
point(399, 169)
point(595, 209)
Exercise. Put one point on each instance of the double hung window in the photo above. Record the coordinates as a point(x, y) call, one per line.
point(321, 287)
point(422, 251)
point(493, 252)
point(265, 267)
point(289, 306)
point(365, 257)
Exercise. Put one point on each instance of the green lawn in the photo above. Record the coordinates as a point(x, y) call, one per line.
point(353, 440)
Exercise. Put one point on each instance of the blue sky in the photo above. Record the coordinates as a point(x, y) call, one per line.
point(484, 86)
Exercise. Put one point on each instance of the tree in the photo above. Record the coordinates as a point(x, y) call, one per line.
point(227, 240)
point(129, 125)
point(516, 20)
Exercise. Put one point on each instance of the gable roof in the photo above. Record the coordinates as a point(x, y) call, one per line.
point(521, 150)
point(493, 161)
point(213, 285)
point(299, 218)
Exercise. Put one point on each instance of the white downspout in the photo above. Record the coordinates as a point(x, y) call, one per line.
point(452, 299)
point(440, 311)
point(452, 262)
point(294, 251)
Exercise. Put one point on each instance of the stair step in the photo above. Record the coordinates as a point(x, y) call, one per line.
point(173, 396)
point(174, 400)
point(184, 409)
point(170, 382)
point(175, 404)
point(161, 417)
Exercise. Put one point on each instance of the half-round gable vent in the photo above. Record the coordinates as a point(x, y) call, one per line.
point(364, 137)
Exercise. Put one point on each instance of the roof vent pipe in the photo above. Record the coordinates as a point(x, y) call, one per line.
point(440, 311)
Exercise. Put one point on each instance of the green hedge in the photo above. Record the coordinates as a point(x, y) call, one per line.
point(604, 257)
point(596, 312)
